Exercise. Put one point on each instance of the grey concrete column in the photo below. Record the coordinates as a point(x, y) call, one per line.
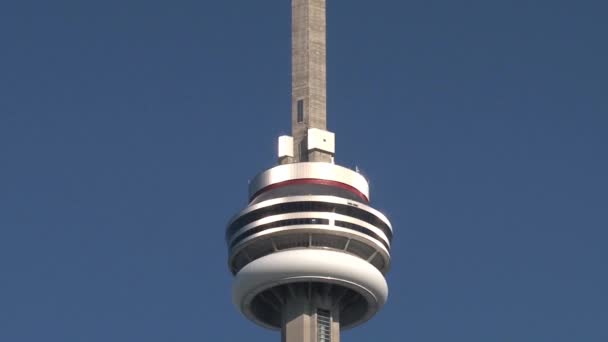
point(297, 321)
point(309, 86)
point(335, 325)
point(301, 319)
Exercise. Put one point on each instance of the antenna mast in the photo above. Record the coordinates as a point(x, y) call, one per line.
point(311, 141)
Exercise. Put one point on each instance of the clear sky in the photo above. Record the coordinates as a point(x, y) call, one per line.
point(129, 130)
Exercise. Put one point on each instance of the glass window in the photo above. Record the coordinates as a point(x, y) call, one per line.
point(300, 110)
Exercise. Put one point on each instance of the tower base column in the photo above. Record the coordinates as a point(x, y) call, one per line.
point(297, 321)
point(306, 320)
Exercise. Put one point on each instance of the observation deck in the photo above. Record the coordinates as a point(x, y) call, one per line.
point(309, 229)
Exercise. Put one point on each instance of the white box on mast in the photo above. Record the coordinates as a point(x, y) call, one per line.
point(321, 140)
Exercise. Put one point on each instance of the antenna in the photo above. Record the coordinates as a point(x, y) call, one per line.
point(308, 78)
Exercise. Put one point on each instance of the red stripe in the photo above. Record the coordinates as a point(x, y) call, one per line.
point(312, 181)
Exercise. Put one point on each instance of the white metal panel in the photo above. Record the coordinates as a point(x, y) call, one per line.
point(326, 171)
point(285, 146)
point(322, 140)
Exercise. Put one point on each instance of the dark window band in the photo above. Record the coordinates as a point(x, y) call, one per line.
point(293, 222)
point(282, 223)
point(363, 230)
point(308, 206)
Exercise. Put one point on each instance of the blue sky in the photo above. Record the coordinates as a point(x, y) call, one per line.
point(129, 130)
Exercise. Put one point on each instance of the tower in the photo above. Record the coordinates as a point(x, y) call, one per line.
point(309, 253)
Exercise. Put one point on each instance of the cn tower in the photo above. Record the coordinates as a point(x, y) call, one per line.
point(309, 254)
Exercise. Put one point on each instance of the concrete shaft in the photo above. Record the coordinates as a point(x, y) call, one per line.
point(308, 75)
point(306, 320)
